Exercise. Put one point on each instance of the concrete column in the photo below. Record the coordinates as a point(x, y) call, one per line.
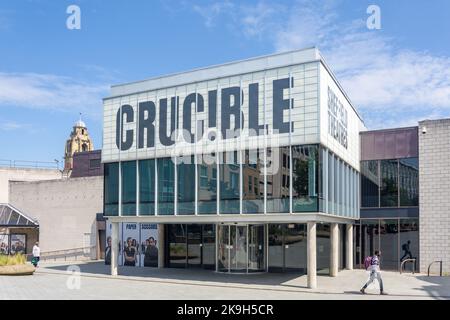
point(349, 247)
point(115, 248)
point(312, 255)
point(161, 245)
point(334, 252)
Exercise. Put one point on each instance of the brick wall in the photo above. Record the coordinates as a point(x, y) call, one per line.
point(434, 201)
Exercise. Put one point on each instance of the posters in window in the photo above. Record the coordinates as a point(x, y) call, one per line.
point(18, 244)
point(108, 244)
point(149, 245)
point(130, 240)
point(4, 244)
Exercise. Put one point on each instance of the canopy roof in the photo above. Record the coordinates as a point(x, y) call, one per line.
point(13, 217)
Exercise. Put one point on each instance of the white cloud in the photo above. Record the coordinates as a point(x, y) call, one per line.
point(377, 75)
point(214, 10)
point(46, 91)
point(11, 126)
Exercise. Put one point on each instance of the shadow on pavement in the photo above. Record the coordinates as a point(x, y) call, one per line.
point(192, 274)
point(439, 287)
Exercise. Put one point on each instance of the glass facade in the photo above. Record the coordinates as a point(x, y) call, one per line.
point(397, 239)
point(229, 178)
point(128, 169)
point(390, 183)
point(207, 184)
point(166, 186)
point(278, 168)
point(147, 187)
point(305, 178)
point(186, 185)
point(111, 189)
point(305, 188)
point(253, 181)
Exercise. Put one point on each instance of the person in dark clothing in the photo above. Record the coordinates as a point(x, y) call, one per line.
point(151, 254)
point(407, 251)
point(129, 254)
point(108, 252)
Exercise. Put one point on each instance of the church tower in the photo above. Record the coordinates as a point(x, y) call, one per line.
point(79, 141)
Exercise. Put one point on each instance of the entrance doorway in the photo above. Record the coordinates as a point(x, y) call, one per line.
point(190, 246)
point(287, 248)
point(241, 248)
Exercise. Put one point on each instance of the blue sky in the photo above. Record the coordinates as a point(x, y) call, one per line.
point(48, 73)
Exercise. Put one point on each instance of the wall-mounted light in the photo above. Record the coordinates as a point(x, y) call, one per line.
point(424, 130)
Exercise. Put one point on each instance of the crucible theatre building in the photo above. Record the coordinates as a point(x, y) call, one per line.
point(249, 166)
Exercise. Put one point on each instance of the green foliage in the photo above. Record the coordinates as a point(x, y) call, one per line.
point(6, 260)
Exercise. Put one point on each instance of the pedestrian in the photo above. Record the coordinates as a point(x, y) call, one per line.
point(407, 251)
point(36, 254)
point(375, 272)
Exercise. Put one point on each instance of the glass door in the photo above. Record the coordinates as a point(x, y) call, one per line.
point(256, 248)
point(238, 248)
point(223, 237)
point(194, 245)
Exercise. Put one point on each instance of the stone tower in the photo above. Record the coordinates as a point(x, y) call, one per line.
point(79, 141)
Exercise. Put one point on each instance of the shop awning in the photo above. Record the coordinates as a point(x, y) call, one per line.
point(13, 217)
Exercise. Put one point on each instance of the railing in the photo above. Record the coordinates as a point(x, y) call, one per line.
point(29, 164)
point(408, 260)
point(73, 253)
point(440, 267)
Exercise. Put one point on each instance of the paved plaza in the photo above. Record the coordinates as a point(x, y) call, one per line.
point(53, 281)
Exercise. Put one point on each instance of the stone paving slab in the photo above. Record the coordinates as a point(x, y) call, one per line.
point(52, 281)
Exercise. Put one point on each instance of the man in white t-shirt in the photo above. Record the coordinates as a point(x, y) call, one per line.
point(36, 254)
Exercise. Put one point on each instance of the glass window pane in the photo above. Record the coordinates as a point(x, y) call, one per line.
point(128, 188)
point(177, 245)
point(389, 183)
point(409, 182)
point(111, 189)
point(409, 241)
point(147, 187)
point(186, 185)
point(207, 186)
point(304, 178)
point(369, 183)
point(277, 191)
point(323, 248)
point(166, 192)
point(229, 183)
point(253, 176)
point(389, 244)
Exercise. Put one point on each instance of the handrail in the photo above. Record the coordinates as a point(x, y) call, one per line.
point(440, 268)
point(64, 253)
point(408, 260)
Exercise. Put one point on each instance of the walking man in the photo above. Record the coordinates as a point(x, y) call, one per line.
point(406, 250)
point(36, 254)
point(375, 272)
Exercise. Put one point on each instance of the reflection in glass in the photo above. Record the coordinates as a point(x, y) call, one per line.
point(323, 248)
point(128, 188)
point(304, 178)
point(186, 185)
point(111, 189)
point(207, 184)
point(166, 175)
point(389, 244)
point(369, 183)
point(229, 183)
point(209, 246)
point(194, 241)
point(278, 180)
point(253, 181)
point(256, 247)
point(224, 248)
point(177, 245)
point(409, 240)
point(147, 187)
point(389, 183)
point(276, 253)
point(409, 181)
